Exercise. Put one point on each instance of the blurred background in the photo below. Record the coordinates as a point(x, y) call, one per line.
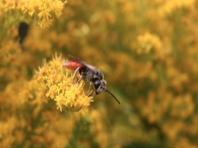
point(147, 49)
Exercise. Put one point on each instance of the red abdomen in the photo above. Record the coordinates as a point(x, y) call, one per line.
point(72, 65)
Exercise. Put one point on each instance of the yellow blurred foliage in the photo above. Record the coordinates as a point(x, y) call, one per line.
point(148, 51)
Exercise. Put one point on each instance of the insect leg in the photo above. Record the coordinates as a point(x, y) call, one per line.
point(75, 72)
point(92, 93)
point(74, 75)
point(80, 77)
point(91, 90)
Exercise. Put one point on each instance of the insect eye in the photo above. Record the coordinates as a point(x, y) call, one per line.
point(98, 75)
point(95, 79)
point(97, 82)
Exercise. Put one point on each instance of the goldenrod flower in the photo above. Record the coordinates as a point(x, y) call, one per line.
point(151, 43)
point(147, 42)
point(44, 11)
point(169, 6)
point(59, 85)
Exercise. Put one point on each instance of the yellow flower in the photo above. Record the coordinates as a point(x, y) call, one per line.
point(147, 42)
point(59, 85)
point(41, 10)
point(151, 43)
point(6, 130)
point(169, 6)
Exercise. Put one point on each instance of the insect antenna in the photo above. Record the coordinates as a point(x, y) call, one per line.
point(112, 96)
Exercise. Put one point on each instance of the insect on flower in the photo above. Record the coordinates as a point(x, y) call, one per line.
point(23, 30)
point(90, 74)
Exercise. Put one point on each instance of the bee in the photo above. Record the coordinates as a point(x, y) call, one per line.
point(91, 74)
point(23, 30)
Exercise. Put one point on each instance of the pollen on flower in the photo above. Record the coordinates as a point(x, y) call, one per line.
point(59, 85)
point(151, 43)
point(41, 10)
point(148, 41)
point(169, 6)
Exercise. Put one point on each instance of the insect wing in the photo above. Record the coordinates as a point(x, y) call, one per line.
point(90, 67)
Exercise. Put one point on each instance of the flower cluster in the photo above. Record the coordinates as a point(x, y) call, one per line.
point(148, 42)
point(146, 49)
point(44, 11)
point(59, 85)
point(169, 6)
